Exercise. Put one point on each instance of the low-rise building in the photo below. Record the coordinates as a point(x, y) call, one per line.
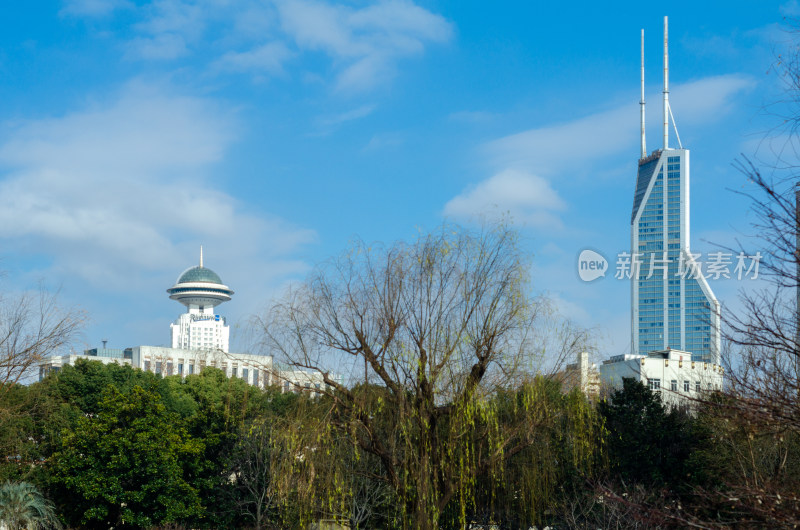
point(670, 373)
point(257, 370)
point(581, 374)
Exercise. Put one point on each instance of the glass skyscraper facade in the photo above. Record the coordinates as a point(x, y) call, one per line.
point(672, 303)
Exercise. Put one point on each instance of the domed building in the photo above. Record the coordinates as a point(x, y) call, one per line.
point(200, 340)
point(201, 290)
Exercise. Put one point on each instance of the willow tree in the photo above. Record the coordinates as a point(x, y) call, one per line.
point(438, 327)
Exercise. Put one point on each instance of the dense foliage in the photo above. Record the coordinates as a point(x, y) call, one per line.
point(113, 446)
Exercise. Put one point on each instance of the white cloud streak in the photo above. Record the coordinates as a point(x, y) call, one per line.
point(572, 145)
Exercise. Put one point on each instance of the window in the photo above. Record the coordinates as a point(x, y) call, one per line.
point(673, 385)
point(654, 384)
point(235, 370)
point(191, 368)
point(169, 368)
point(147, 366)
point(686, 386)
point(245, 373)
point(697, 386)
point(255, 377)
point(286, 386)
point(180, 368)
point(158, 367)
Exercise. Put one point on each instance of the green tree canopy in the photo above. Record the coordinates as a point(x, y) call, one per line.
point(125, 465)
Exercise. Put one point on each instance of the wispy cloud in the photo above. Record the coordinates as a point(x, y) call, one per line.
point(126, 188)
point(581, 143)
point(526, 164)
point(362, 43)
point(368, 41)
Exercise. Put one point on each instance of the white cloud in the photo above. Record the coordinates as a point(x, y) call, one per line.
point(581, 143)
point(363, 43)
point(125, 190)
point(527, 198)
point(367, 41)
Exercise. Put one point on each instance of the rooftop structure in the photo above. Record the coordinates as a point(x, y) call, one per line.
point(200, 289)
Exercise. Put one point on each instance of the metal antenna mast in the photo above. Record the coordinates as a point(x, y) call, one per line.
point(641, 101)
point(666, 86)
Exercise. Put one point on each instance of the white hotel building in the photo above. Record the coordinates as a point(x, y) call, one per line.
point(670, 373)
point(200, 338)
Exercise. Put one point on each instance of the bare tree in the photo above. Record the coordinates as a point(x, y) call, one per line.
point(32, 327)
point(440, 326)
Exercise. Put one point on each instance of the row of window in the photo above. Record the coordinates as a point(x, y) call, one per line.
point(167, 369)
point(655, 385)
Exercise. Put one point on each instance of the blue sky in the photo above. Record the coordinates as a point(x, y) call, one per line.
point(275, 132)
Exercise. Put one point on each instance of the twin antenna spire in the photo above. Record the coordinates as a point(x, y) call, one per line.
point(667, 109)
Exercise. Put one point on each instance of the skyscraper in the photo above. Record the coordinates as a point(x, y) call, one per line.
point(672, 303)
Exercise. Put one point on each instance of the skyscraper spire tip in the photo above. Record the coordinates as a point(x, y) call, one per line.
point(666, 85)
point(201, 256)
point(641, 102)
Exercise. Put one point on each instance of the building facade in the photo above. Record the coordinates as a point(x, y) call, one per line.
point(582, 374)
point(673, 374)
point(672, 305)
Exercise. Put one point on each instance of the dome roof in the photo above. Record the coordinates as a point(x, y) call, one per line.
point(199, 274)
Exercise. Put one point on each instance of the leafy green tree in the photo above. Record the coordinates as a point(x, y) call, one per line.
point(216, 409)
point(124, 466)
point(22, 506)
point(646, 443)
